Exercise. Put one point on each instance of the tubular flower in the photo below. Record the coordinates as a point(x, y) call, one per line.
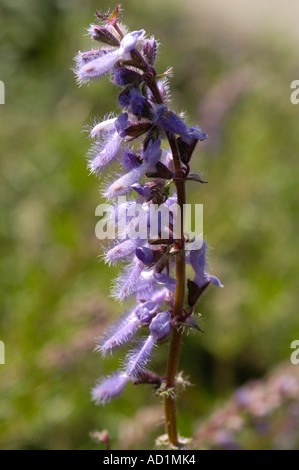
point(99, 66)
point(198, 260)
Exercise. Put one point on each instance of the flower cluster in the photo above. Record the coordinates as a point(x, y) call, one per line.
point(131, 149)
point(264, 410)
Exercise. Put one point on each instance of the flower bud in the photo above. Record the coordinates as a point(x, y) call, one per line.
point(139, 105)
point(123, 76)
point(145, 255)
point(145, 311)
point(100, 33)
point(149, 50)
point(160, 325)
point(169, 121)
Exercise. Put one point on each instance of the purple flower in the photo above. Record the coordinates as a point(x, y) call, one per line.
point(142, 190)
point(129, 160)
point(194, 134)
point(153, 153)
point(149, 50)
point(102, 34)
point(145, 255)
point(124, 184)
point(131, 218)
point(198, 262)
point(146, 310)
point(139, 357)
point(169, 121)
point(143, 179)
point(83, 58)
point(122, 250)
point(124, 330)
point(109, 387)
point(111, 125)
point(160, 325)
point(104, 152)
point(159, 296)
point(111, 132)
point(121, 123)
point(103, 127)
point(165, 280)
point(136, 277)
point(120, 333)
point(123, 76)
point(125, 96)
point(130, 40)
point(100, 66)
point(130, 280)
point(163, 87)
point(139, 105)
point(159, 328)
point(106, 61)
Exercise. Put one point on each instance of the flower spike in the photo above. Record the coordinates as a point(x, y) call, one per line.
point(145, 149)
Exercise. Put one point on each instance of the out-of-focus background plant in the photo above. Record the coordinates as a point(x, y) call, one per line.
point(233, 66)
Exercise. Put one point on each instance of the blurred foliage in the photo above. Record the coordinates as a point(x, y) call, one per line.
point(54, 290)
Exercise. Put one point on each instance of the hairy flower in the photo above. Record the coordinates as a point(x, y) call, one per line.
point(103, 127)
point(120, 333)
point(145, 255)
point(141, 174)
point(102, 34)
point(123, 76)
point(125, 183)
point(139, 105)
point(159, 328)
point(169, 121)
point(198, 260)
point(106, 61)
point(104, 152)
point(109, 387)
point(122, 250)
point(149, 50)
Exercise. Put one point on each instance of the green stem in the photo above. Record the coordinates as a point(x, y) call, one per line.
point(176, 336)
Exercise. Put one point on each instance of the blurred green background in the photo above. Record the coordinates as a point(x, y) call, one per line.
point(232, 74)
